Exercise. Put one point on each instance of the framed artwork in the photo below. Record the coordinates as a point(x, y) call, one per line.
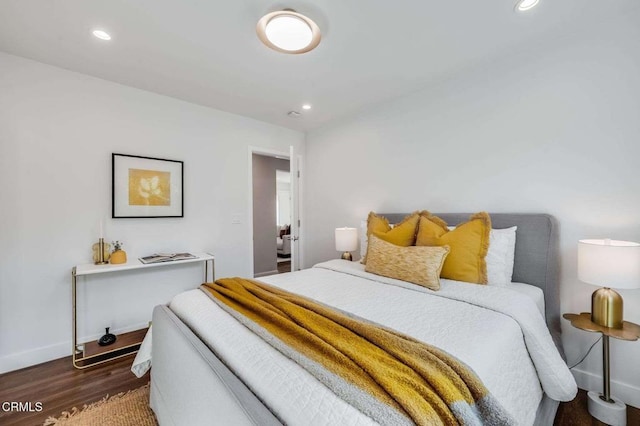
point(146, 187)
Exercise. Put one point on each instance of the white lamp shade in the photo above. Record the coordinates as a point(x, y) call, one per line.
point(609, 263)
point(346, 239)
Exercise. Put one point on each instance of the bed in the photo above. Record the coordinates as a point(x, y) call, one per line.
point(210, 369)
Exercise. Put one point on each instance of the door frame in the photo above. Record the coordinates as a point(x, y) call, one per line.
point(285, 155)
point(300, 227)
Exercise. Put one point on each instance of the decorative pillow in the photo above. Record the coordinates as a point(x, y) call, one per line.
point(418, 265)
point(468, 243)
point(364, 239)
point(402, 234)
point(501, 255)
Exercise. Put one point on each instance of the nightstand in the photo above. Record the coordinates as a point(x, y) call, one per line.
point(603, 406)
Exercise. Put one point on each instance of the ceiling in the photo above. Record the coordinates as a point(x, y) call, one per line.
point(207, 52)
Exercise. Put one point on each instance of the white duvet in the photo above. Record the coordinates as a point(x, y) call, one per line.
point(498, 332)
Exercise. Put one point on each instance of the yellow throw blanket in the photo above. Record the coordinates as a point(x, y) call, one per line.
point(391, 377)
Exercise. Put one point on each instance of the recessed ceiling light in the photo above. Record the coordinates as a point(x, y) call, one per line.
point(306, 106)
point(288, 31)
point(102, 35)
point(524, 5)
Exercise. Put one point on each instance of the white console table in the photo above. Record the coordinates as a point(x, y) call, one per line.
point(88, 354)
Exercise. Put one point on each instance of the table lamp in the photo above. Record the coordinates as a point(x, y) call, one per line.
point(612, 264)
point(346, 241)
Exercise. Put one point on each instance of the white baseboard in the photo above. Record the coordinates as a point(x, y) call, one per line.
point(31, 357)
point(264, 274)
point(24, 359)
point(629, 394)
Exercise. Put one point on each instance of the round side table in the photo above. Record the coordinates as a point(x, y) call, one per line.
point(603, 406)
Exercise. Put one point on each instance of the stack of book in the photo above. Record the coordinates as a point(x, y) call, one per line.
point(166, 257)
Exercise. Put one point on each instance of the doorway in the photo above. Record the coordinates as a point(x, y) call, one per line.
point(274, 211)
point(283, 219)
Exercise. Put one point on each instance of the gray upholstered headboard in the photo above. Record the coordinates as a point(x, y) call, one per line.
point(536, 260)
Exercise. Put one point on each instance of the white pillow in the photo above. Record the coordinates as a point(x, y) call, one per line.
point(363, 238)
point(501, 255)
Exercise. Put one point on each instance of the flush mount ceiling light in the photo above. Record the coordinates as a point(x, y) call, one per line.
point(102, 35)
point(524, 5)
point(288, 32)
point(306, 106)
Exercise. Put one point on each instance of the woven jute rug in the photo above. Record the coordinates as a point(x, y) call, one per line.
point(124, 409)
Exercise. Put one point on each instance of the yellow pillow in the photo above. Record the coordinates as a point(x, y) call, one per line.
point(418, 265)
point(402, 234)
point(468, 243)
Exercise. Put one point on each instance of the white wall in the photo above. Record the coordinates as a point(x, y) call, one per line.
point(555, 129)
point(57, 132)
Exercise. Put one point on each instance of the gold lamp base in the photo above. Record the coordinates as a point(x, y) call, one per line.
point(606, 308)
point(347, 256)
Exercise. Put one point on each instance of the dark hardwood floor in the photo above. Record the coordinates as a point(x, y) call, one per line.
point(284, 267)
point(59, 387)
point(575, 413)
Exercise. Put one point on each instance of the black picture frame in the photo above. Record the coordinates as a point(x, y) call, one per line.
point(146, 187)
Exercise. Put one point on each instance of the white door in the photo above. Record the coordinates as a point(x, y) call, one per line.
point(294, 169)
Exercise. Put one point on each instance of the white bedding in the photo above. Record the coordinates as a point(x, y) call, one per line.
point(535, 293)
point(490, 342)
point(142, 362)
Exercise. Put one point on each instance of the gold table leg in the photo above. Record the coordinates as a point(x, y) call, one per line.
point(606, 382)
point(602, 406)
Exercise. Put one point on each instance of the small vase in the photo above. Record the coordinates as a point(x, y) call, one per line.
point(106, 249)
point(107, 339)
point(118, 256)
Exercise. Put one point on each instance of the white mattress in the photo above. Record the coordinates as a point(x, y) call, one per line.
point(490, 342)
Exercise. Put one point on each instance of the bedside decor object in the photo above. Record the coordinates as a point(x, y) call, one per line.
point(145, 187)
point(107, 339)
point(613, 264)
point(346, 241)
point(118, 256)
point(101, 252)
point(605, 407)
